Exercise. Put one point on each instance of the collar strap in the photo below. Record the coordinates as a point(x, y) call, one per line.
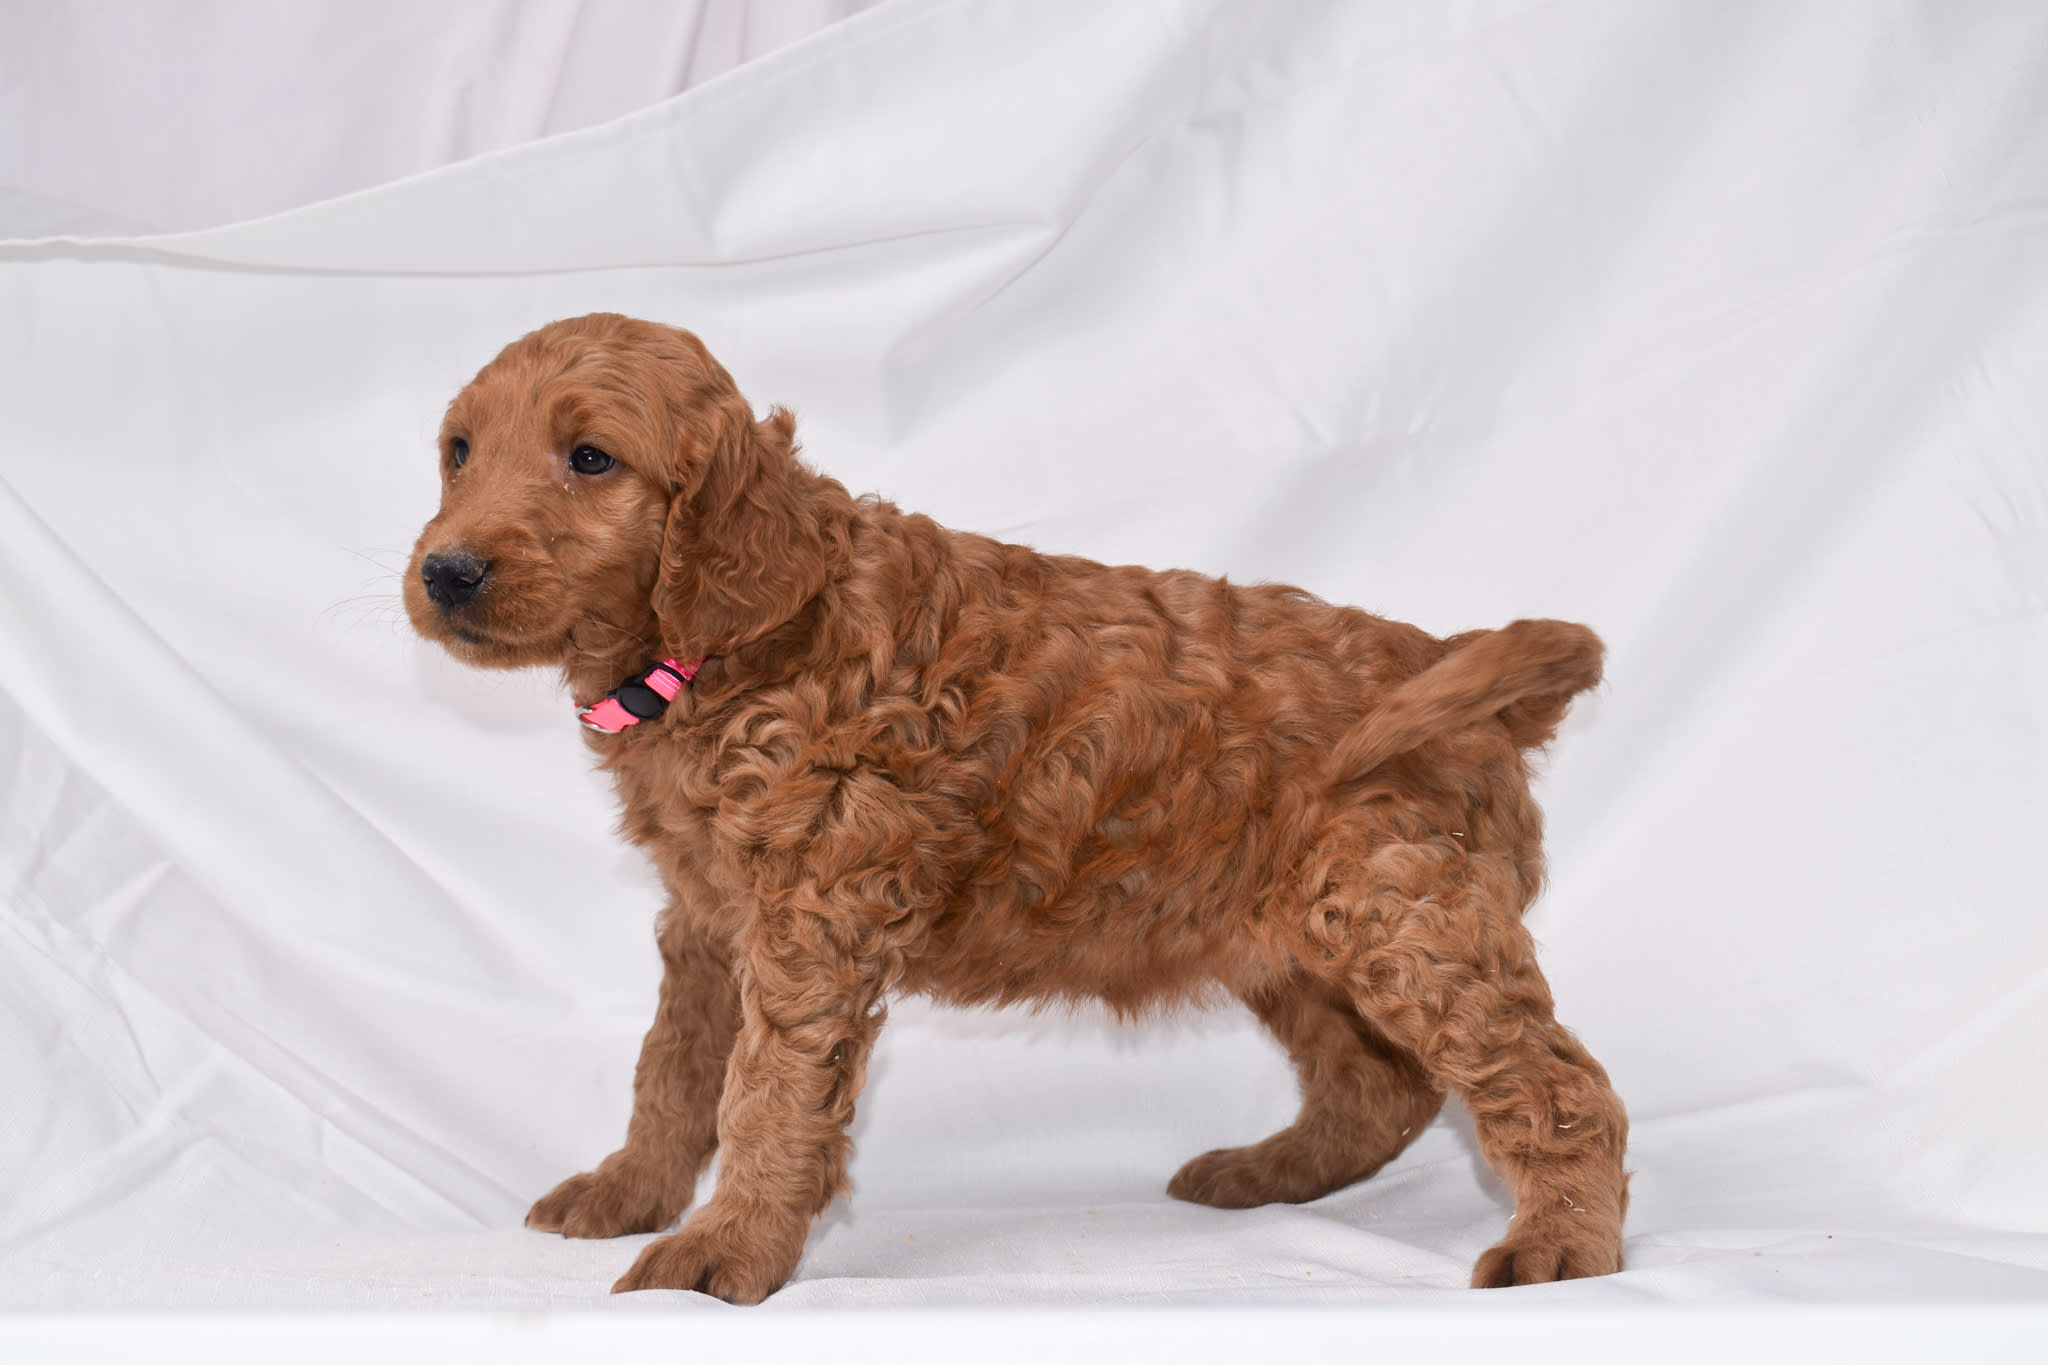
point(640, 697)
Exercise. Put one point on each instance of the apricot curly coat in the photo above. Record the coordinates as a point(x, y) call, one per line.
point(924, 761)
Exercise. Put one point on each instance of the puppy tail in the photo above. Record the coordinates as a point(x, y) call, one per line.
point(1523, 675)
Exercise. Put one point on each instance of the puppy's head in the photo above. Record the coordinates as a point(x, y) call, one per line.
point(606, 494)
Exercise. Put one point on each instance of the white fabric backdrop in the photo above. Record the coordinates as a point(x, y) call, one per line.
point(1720, 327)
point(120, 118)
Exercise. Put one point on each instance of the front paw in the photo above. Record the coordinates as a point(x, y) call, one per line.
point(619, 1197)
point(714, 1261)
point(1550, 1249)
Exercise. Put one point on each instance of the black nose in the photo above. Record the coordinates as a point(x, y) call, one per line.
point(453, 579)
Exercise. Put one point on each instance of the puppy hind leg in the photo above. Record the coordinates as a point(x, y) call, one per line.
point(1362, 1102)
point(1449, 973)
point(646, 1184)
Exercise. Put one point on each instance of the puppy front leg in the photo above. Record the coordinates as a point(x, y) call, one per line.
point(646, 1185)
point(806, 1030)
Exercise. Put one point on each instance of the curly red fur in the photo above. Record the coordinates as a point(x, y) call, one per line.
point(920, 760)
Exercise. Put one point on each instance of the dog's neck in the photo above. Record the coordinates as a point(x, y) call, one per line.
point(603, 654)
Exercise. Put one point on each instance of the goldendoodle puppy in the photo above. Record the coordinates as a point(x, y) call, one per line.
point(871, 755)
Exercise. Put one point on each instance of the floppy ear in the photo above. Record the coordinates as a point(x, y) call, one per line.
point(744, 549)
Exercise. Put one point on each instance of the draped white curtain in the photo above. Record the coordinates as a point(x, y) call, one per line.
point(121, 118)
point(1720, 327)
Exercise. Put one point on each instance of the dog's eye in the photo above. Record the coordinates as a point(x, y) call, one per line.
point(458, 452)
point(589, 460)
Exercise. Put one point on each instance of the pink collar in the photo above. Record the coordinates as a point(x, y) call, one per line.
point(640, 697)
